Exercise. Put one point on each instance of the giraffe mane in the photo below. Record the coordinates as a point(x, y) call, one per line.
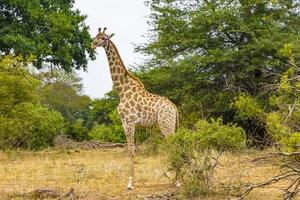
point(136, 78)
point(128, 73)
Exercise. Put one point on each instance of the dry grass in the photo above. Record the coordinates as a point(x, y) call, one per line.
point(102, 174)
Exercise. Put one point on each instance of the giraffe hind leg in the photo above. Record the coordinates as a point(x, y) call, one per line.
point(167, 122)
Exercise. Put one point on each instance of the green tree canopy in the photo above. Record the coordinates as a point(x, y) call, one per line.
point(16, 84)
point(209, 51)
point(62, 91)
point(53, 31)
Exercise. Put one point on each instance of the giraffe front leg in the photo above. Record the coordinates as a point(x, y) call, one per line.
point(129, 131)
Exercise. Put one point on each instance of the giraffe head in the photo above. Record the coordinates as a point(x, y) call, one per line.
point(101, 39)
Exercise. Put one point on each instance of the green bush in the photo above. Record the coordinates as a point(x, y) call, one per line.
point(248, 108)
point(109, 133)
point(218, 136)
point(30, 126)
point(153, 141)
point(10, 132)
point(192, 154)
point(283, 122)
point(78, 131)
point(17, 85)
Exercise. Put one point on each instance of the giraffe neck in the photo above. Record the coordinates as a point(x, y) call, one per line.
point(119, 74)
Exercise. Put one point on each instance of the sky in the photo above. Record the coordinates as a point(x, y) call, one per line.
point(128, 20)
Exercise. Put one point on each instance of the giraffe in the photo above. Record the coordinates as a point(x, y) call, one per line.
point(137, 106)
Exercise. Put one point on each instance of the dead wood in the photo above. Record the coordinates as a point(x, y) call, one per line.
point(286, 161)
point(63, 141)
point(49, 193)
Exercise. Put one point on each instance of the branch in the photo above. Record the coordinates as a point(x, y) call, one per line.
point(291, 110)
point(273, 154)
point(266, 183)
point(292, 190)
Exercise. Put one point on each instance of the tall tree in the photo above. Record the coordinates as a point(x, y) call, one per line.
point(212, 50)
point(53, 31)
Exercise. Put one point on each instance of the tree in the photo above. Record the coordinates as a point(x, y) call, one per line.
point(63, 98)
point(62, 92)
point(212, 50)
point(283, 119)
point(53, 31)
point(101, 109)
point(16, 84)
point(24, 122)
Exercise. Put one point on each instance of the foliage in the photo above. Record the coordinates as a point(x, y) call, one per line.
point(51, 76)
point(281, 114)
point(248, 107)
point(51, 35)
point(204, 54)
point(193, 154)
point(30, 126)
point(104, 121)
point(218, 136)
point(101, 108)
point(77, 130)
point(283, 123)
point(23, 121)
point(101, 133)
point(109, 133)
point(53, 31)
point(153, 143)
point(63, 93)
point(16, 84)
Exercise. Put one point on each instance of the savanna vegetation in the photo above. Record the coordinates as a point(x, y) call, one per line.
point(231, 67)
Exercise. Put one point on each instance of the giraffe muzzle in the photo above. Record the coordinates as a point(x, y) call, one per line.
point(94, 46)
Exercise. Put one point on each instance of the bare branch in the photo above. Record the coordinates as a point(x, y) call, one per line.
point(292, 190)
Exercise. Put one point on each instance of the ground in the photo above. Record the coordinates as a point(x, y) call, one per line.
point(102, 174)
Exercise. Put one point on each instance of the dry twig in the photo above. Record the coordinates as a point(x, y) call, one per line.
point(293, 189)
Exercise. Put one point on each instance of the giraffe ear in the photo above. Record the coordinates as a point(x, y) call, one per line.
point(111, 35)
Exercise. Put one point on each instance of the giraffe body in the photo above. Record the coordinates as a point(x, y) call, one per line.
point(137, 106)
point(146, 109)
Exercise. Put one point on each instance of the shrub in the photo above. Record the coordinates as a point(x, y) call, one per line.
point(218, 136)
point(192, 154)
point(248, 108)
point(107, 133)
point(30, 126)
point(153, 141)
point(114, 132)
point(17, 85)
point(283, 122)
point(78, 131)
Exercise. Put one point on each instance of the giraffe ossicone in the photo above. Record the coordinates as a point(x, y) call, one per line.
point(137, 106)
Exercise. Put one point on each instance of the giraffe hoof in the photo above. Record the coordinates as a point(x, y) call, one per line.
point(178, 184)
point(130, 186)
